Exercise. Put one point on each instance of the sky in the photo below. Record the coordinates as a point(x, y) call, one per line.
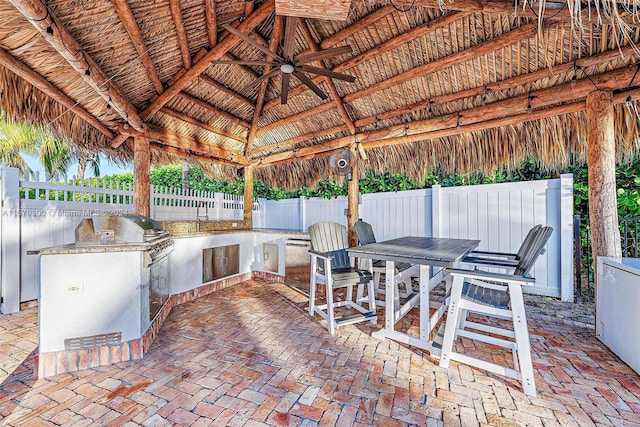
point(106, 167)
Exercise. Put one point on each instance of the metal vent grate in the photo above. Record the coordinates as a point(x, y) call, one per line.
point(87, 343)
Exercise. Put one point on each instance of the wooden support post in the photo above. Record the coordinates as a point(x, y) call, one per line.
point(141, 185)
point(353, 197)
point(601, 164)
point(248, 195)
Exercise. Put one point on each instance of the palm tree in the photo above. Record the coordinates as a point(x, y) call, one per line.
point(19, 138)
point(16, 138)
point(86, 158)
point(56, 155)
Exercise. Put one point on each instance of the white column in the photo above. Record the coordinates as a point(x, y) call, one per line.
point(566, 237)
point(435, 211)
point(10, 241)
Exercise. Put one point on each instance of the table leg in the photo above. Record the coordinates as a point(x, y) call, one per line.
point(425, 327)
point(390, 297)
point(389, 306)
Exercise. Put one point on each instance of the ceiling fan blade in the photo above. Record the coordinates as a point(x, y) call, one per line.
point(307, 81)
point(316, 56)
point(252, 42)
point(260, 79)
point(284, 93)
point(328, 73)
point(289, 37)
point(241, 62)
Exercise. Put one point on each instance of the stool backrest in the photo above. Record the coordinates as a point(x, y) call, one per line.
point(331, 237)
point(364, 231)
point(533, 251)
point(526, 243)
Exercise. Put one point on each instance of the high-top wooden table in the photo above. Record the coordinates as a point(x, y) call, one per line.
point(427, 252)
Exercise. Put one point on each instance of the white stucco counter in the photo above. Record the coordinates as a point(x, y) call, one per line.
point(186, 261)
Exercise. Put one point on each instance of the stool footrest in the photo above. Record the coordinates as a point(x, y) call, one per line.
point(355, 318)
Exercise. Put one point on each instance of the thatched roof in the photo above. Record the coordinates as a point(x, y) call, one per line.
point(460, 85)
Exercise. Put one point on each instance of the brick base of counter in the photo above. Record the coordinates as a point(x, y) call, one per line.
point(59, 362)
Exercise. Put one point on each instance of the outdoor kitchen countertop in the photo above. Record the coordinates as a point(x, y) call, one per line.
point(219, 232)
point(72, 248)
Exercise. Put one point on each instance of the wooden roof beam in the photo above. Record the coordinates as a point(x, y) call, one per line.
point(500, 7)
point(191, 155)
point(40, 83)
point(302, 138)
point(215, 53)
point(188, 144)
point(222, 88)
point(522, 79)
point(557, 9)
point(420, 31)
point(332, 87)
point(443, 99)
point(201, 53)
point(393, 43)
point(248, 7)
point(68, 47)
point(355, 27)
point(183, 42)
point(214, 110)
point(275, 41)
point(475, 119)
point(302, 115)
point(131, 26)
point(187, 119)
point(212, 22)
point(516, 119)
point(506, 39)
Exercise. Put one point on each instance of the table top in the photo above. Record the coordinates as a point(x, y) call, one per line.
point(418, 250)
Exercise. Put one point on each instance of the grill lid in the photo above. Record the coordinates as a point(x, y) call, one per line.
point(110, 229)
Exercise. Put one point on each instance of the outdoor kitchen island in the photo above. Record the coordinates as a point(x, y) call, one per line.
point(95, 303)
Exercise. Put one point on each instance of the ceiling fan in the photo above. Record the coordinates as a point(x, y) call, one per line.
point(287, 63)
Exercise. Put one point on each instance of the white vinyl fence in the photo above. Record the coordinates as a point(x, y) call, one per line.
point(37, 215)
point(499, 215)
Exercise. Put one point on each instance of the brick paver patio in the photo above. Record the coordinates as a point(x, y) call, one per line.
point(250, 355)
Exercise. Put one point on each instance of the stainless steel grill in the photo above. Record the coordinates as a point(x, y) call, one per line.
point(125, 230)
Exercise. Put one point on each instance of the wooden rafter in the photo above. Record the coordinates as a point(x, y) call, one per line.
point(212, 22)
point(506, 84)
point(301, 138)
point(393, 43)
point(188, 144)
point(191, 155)
point(201, 54)
point(437, 101)
point(215, 53)
point(302, 115)
point(336, 38)
point(420, 31)
point(222, 88)
point(228, 116)
point(131, 26)
point(248, 7)
point(506, 39)
point(355, 27)
point(535, 105)
point(50, 90)
point(332, 87)
point(183, 42)
point(191, 120)
point(68, 47)
point(501, 7)
point(275, 40)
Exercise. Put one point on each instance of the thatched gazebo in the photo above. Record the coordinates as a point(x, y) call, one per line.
point(404, 85)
